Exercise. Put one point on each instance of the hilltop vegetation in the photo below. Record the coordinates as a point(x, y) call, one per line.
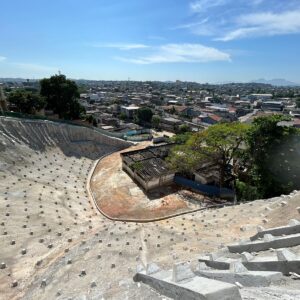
point(56, 93)
point(262, 158)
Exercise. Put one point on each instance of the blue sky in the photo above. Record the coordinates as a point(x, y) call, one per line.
point(196, 40)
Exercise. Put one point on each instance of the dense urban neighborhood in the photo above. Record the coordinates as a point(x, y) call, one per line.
point(121, 106)
point(182, 117)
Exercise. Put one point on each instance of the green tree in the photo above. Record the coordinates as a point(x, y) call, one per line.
point(246, 192)
point(183, 128)
point(61, 95)
point(92, 120)
point(122, 116)
point(219, 144)
point(181, 138)
point(144, 115)
point(298, 102)
point(155, 121)
point(95, 124)
point(26, 102)
point(272, 157)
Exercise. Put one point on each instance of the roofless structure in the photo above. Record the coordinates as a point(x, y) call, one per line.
point(147, 166)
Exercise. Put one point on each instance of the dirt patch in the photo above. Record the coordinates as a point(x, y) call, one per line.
point(119, 197)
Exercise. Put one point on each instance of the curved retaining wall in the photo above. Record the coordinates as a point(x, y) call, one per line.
point(72, 139)
point(145, 220)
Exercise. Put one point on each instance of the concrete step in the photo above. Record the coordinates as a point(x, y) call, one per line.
point(240, 274)
point(268, 242)
point(283, 261)
point(182, 283)
point(292, 228)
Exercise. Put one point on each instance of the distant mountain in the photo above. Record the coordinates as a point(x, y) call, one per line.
point(276, 82)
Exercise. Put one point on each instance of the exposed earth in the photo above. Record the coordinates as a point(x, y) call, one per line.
point(120, 198)
point(56, 245)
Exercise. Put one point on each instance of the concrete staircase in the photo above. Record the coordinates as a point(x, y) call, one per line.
point(265, 261)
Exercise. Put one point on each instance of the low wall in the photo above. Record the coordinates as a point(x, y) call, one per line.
point(208, 190)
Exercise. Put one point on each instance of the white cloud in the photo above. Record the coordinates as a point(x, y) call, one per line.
point(2, 58)
point(203, 5)
point(174, 53)
point(121, 46)
point(264, 24)
point(191, 25)
point(227, 20)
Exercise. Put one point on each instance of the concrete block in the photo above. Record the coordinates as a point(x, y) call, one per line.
point(213, 256)
point(260, 228)
point(246, 256)
point(14, 283)
point(152, 268)
point(268, 237)
point(202, 266)
point(293, 222)
point(140, 268)
point(260, 264)
point(237, 267)
point(270, 264)
point(278, 231)
point(285, 255)
point(243, 228)
point(196, 288)
point(43, 283)
point(247, 279)
point(182, 271)
point(256, 246)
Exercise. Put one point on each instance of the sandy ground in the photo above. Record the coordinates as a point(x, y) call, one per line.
point(119, 197)
point(71, 251)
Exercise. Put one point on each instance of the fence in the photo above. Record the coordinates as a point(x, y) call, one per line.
point(137, 132)
point(208, 190)
point(138, 135)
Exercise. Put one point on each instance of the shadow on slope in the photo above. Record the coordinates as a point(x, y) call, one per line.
point(71, 140)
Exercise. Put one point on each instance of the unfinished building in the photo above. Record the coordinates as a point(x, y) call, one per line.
point(148, 167)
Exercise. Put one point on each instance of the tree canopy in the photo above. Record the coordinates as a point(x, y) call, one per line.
point(144, 115)
point(183, 128)
point(218, 144)
point(272, 157)
point(26, 102)
point(266, 155)
point(155, 121)
point(61, 95)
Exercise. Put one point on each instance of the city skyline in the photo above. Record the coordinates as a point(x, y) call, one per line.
point(202, 41)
